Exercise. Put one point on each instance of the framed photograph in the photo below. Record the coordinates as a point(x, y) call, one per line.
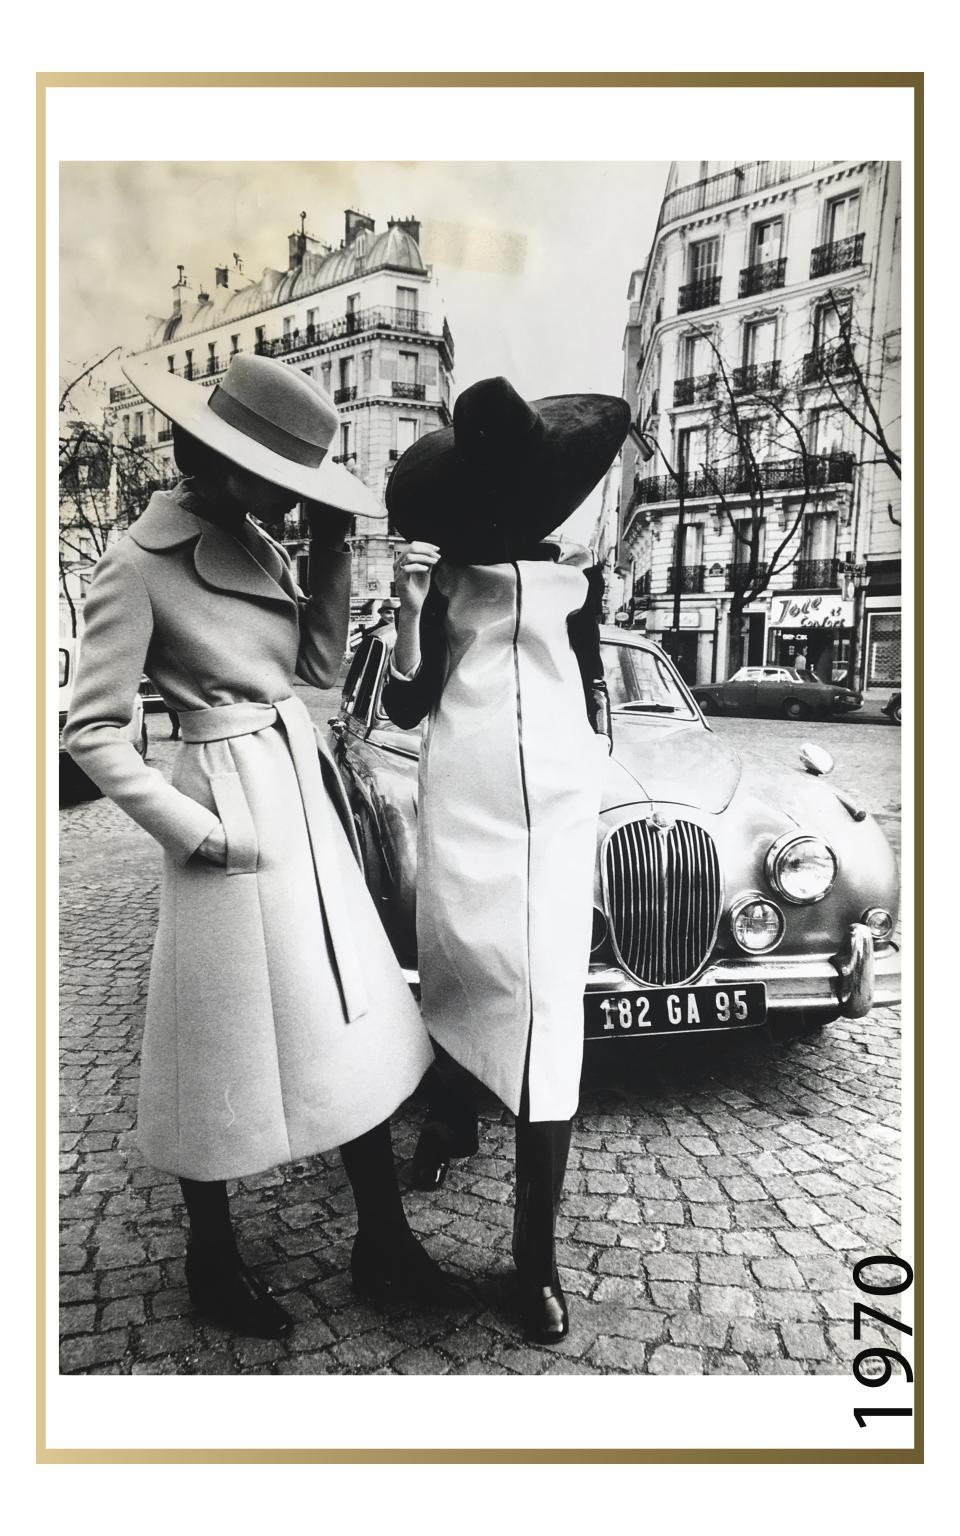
point(482, 573)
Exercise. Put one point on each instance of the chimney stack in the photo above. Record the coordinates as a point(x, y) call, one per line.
point(181, 289)
point(355, 224)
point(410, 226)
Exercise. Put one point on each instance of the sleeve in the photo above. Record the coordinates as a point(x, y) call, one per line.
point(325, 616)
point(584, 630)
point(409, 699)
point(118, 626)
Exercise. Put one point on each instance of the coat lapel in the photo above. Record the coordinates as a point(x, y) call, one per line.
point(220, 560)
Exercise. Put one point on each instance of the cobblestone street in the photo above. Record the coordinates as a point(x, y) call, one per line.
point(719, 1190)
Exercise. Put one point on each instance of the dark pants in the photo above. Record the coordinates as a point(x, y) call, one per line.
point(542, 1149)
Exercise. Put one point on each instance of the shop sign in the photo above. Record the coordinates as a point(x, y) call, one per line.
point(828, 611)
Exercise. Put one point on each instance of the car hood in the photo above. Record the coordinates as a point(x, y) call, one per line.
point(678, 763)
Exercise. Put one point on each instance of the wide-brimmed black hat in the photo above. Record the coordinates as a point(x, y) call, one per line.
point(507, 471)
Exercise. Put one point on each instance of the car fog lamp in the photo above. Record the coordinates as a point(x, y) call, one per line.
point(879, 921)
point(757, 925)
point(803, 869)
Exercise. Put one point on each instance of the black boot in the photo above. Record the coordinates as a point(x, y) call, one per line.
point(387, 1259)
point(222, 1289)
point(542, 1150)
point(450, 1129)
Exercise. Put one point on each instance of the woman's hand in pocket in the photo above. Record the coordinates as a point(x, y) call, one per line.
point(214, 847)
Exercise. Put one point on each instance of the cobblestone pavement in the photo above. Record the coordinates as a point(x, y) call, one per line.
point(718, 1193)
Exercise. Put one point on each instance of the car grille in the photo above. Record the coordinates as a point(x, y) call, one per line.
point(663, 895)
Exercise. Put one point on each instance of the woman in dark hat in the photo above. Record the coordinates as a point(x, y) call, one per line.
point(498, 643)
point(278, 1022)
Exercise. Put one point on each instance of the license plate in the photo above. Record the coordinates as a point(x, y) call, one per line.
point(611, 1015)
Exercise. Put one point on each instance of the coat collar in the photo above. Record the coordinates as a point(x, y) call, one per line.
point(220, 560)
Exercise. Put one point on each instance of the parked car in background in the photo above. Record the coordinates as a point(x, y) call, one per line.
point(892, 709)
point(72, 778)
point(776, 691)
point(724, 895)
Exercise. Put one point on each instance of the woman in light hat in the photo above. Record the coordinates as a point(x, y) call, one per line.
point(498, 642)
point(278, 1022)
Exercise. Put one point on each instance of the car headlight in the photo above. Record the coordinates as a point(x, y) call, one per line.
point(757, 924)
point(802, 868)
point(879, 921)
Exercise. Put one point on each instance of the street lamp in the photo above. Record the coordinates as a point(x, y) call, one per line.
point(647, 446)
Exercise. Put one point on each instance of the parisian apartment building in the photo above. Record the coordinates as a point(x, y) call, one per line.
point(758, 516)
point(364, 317)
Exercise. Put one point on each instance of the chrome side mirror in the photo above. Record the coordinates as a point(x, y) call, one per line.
point(815, 759)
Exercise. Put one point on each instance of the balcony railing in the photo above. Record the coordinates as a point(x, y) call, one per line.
point(735, 479)
point(699, 295)
point(816, 575)
point(753, 376)
point(123, 392)
point(836, 256)
point(739, 575)
point(691, 578)
point(165, 435)
point(344, 393)
point(828, 361)
point(741, 181)
point(402, 391)
point(138, 440)
point(763, 277)
point(694, 390)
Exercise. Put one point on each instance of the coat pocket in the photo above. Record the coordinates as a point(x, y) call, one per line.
point(237, 823)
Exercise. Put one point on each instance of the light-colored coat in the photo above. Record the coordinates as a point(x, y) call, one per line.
point(278, 1022)
point(509, 800)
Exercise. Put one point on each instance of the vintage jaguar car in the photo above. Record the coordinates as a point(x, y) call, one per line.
point(725, 895)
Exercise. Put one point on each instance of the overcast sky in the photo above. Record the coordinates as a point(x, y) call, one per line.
point(533, 259)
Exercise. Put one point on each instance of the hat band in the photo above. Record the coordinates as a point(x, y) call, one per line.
point(266, 433)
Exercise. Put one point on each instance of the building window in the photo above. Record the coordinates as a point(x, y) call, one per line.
point(188, 367)
point(406, 433)
point(311, 323)
point(828, 431)
point(170, 362)
point(691, 449)
point(345, 449)
point(288, 325)
point(211, 357)
point(830, 321)
point(883, 650)
point(234, 345)
point(407, 300)
point(842, 217)
point(138, 424)
point(407, 368)
point(346, 372)
point(259, 344)
point(766, 240)
point(702, 260)
point(326, 369)
point(367, 369)
point(760, 342)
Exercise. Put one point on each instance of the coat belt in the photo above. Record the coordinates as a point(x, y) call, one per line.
point(220, 722)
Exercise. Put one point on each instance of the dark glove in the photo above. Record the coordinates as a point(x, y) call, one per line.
point(599, 711)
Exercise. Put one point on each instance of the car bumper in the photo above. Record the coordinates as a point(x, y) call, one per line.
point(858, 978)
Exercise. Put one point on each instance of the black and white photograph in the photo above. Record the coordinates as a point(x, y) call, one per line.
point(484, 609)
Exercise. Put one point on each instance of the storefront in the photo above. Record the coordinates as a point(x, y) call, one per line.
point(692, 647)
point(881, 637)
point(811, 632)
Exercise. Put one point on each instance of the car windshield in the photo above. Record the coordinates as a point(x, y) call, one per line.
point(638, 679)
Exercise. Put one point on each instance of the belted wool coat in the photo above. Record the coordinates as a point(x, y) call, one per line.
point(278, 1022)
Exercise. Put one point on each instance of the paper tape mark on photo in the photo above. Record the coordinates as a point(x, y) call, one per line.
point(480, 248)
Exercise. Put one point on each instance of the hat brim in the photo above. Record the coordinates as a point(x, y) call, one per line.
point(435, 495)
point(186, 403)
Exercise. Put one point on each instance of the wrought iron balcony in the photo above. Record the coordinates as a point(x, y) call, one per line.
point(828, 361)
point(742, 181)
point(739, 575)
point(698, 295)
point(816, 575)
point(690, 576)
point(754, 376)
point(165, 435)
point(735, 479)
point(393, 453)
point(138, 440)
point(402, 391)
point(836, 256)
point(123, 392)
point(344, 393)
point(763, 277)
point(695, 389)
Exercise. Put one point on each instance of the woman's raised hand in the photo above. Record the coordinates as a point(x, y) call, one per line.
point(415, 564)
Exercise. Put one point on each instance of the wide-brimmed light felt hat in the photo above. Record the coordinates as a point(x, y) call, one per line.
point(506, 466)
point(266, 417)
